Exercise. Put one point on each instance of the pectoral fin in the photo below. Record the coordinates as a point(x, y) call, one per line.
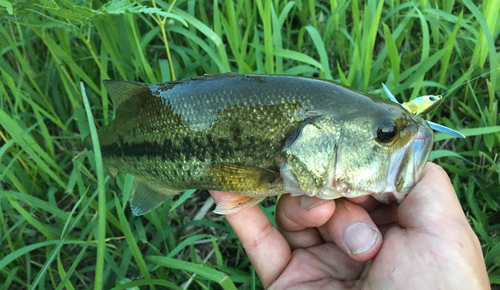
point(245, 179)
point(242, 178)
point(235, 203)
point(146, 196)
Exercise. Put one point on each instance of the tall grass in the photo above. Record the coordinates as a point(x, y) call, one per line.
point(65, 224)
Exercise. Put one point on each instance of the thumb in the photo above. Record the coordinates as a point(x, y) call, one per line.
point(432, 201)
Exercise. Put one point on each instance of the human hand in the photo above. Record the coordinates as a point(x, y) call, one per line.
point(425, 243)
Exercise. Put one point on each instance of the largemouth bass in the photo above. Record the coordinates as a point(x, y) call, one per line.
point(259, 136)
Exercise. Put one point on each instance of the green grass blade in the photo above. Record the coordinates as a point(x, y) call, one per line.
point(185, 243)
point(203, 271)
point(419, 76)
point(265, 16)
point(487, 35)
point(144, 282)
point(210, 34)
point(423, 67)
point(320, 47)
point(369, 42)
point(64, 236)
point(76, 262)
point(25, 250)
point(34, 222)
point(132, 243)
point(277, 40)
point(63, 274)
point(203, 45)
point(101, 239)
point(393, 53)
point(449, 49)
point(435, 154)
point(187, 194)
point(39, 203)
point(10, 277)
point(34, 150)
point(293, 55)
point(75, 68)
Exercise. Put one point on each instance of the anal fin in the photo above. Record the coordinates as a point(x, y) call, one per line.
point(235, 203)
point(146, 196)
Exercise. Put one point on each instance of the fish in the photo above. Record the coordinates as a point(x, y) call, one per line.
point(258, 136)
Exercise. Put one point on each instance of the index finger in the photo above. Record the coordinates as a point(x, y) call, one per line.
point(266, 248)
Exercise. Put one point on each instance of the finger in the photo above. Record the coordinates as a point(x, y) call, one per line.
point(432, 199)
point(352, 229)
point(384, 229)
point(385, 214)
point(359, 199)
point(432, 208)
point(298, 217)
point(266, 248)
point(367, 202)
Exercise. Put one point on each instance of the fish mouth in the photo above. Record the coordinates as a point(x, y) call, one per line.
point(406, 165)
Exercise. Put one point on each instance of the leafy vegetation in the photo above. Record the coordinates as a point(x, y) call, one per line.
point(65, 224)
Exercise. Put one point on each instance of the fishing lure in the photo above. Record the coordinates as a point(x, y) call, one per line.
point(424, 104)
point(421, 105)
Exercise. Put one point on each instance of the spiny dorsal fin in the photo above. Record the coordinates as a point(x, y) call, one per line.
point(120, 91)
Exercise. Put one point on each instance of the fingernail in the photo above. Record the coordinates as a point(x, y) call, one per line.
point(359, 238)
point(308, 202)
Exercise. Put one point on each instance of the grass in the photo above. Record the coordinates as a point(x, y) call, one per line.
point(65, 224)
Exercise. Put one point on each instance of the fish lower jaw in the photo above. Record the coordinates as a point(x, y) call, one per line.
point(390, 194)
point(328, 193)
point(323, 193)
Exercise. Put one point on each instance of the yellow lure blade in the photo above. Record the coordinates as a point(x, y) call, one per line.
point(422, 105)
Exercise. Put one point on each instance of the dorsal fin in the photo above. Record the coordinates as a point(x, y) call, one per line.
point(120, 91)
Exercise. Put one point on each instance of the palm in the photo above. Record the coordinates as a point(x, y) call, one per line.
point(324, 266)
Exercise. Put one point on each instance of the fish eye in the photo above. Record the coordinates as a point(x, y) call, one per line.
point(432, 99)
point(387, 131)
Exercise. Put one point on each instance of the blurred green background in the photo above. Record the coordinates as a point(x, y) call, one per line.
point(64, 224)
